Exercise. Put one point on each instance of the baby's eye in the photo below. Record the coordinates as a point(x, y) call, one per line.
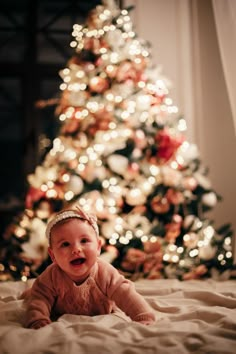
point(65, 244)
point(84, 240)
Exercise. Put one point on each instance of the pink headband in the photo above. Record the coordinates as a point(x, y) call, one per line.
point(66, 214)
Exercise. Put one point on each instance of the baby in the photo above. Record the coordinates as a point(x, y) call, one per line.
point(78, 281)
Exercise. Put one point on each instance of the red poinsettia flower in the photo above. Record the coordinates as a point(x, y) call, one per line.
point(167, 144)
point(33, 195)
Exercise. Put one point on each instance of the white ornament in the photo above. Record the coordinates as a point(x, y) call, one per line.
point(100, 172)
point(75, 184)
point(209, 199)
point(170, 176)
point(188, 152)
point(143, 102)
point(36, 247)
point(207, 252)
point(118, 163)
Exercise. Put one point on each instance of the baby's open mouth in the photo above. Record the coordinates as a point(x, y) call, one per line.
point(77, 261)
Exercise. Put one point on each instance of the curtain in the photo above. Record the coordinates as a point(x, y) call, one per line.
point(225, 20)
point(184, 40)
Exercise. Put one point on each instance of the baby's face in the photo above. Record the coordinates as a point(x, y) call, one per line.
point(74, 247)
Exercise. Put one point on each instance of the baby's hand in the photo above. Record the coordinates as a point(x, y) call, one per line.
point(40, 324)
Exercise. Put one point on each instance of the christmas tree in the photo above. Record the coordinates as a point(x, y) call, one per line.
point(121, 153)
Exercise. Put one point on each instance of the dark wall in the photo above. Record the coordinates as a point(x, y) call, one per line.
point(34, 46)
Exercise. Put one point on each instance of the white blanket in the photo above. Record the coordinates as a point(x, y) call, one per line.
point(193, 317)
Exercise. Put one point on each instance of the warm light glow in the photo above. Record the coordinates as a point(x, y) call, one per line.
point(69, 195)
point(166, 257)
point(50, 184)
point(51, 193)
point(144, 238)
point(129, 235)
point(65, 177)
point(24, 278)
point(139, 233)
point(193, 253)
point(227, 241)
point(175, 258)
point(182, 126)
point(209, 232)
point(124, 240)
point(63, 87)
point(20, 232)
point(220, 257)
point(83, 159)
point(105, 184)
point(112, 241)
point(99, 204)
point(153, 239)
point(154, 170)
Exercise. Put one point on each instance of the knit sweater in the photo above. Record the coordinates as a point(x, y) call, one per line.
point(53, 294)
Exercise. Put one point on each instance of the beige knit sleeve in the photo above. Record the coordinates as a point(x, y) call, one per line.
point(39, 302)
point(122, 292)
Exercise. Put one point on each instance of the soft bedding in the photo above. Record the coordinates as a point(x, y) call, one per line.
point(198, 316)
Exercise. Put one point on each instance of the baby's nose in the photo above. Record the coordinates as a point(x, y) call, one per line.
point(76, 247)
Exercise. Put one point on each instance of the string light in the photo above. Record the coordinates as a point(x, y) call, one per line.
point(112, 241)
point(193, 253)
point(154, 170)
point(24, 278)
point(166, 257)
point(129, 235)
point(20, 232)
point(227, 241)
point(228, 254)
point(124, 240)
point(144, 238)
point(220, 257)
point(175, 258)
point(139, 233)
point(182, 126)
point(52, 193)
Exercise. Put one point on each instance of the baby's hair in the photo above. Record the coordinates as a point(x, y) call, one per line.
point(71, 213)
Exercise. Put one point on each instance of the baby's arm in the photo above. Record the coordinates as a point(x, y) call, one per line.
point(132, 303)
point(38, 304)
point(123, 292)
point(37, 312)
